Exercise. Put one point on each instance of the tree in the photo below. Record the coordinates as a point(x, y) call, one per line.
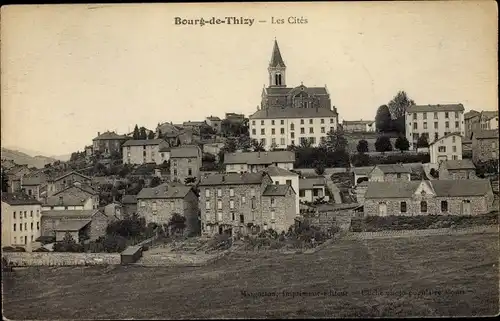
point(402, 143)
point(177, 223)
point(151, 135)
point(383, 119)
point(422, 141)
point(142, 133)
point(160, 134)
point(244, 143)
point(155, 181)
point(398, 104)
point(360, 159)
point(257, 146)
point(5, 181)
point(136, 133)
point(362, 146)
point(319, 168)
point(273, 146)
point(68, 244)
point(383, 144)
point(230, 145)
point(335, 141)
point(189, 180)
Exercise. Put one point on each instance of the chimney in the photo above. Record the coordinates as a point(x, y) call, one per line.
point(98, 134)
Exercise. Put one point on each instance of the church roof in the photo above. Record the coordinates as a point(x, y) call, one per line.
point(276, 59)
point(277, 112)
point(283, 91)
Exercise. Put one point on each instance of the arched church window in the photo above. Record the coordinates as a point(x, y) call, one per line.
point(277, 79)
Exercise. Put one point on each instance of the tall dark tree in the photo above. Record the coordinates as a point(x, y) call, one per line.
point(398, 104)
point(422, 141)
point(257, 146)
point(136, 133)
point(160, 134)
point(402, 143)
point(383, 121)
point(244, 143)
point(319, 168)
point(5, 181)
point(155, 181)
point(362, 146)
point(383, 144)
point(142, 133)
point(231, 145)
point(335, 141)
point(151, 135)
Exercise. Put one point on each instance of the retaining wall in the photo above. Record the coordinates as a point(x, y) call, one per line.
point(18, 259)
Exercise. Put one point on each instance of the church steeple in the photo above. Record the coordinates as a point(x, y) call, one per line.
point(276, 68)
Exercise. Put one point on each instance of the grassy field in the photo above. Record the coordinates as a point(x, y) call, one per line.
point(427, 276)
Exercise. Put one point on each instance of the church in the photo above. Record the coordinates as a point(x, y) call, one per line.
point(290, 115)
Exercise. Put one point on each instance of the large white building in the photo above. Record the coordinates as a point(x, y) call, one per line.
point(434, 121)
point(448, 147)
point(142, 151)
point(20, 220)
point(289, 115)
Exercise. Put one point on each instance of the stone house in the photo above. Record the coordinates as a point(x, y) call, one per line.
point(213, 148)
point(447, 147)
point(142, 151)
point(389, 173)
point(129, 203)
point(80, 224)
point(20, 220)
point(282, 176)
point(245, 202)
point(14, 176)
point(158, 204)
point(214, 122)
point(472, 122)
point(312, 188)
point(437, 197)
point(35, 185)
point(185, 162)
point(256, 161)
point(457, 169)
point(113, 210)
point(63, 182)
point(361, 172)
point(484, 145)
point(76, 197)
point(108, 143)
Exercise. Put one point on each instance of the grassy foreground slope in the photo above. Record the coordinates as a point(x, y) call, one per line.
point(425, 276)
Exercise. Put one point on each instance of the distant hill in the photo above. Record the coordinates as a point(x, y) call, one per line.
point(25, 159)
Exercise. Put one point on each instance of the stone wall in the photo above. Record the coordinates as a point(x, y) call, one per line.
point(18, 259)
point(483, 149)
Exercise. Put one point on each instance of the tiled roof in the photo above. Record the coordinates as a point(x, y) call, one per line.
point(310, 182)
point(143, 142)
point(72, 172)
point(487, 115)
point(276, 59)
point(471, 114)
point(71, 225)
point(194, 123)
point(70, 213)
point(393, 168)
point(129, 199)
point(435, 108)
point(459, 164)
point(446, 136)
point(276, 190)
point(278, 171)
point(357, 122)
point(33, 180)
point(185, 151)
point(257, 158)
point(233, 179)
point(396, 189)
point(72, 196)
point(485, 134)
point(110, 135)
point(363, 170)
point(213, 118)
point(164, 191)
point(278, 112)
point(19, 199)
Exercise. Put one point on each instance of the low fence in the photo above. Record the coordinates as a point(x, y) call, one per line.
point(20, 259)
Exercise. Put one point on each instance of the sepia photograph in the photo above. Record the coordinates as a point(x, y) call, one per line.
point(250, 160)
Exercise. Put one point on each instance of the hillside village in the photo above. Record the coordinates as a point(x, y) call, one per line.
point(291, 172)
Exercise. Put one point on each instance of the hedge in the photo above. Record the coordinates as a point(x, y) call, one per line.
point(421, 222)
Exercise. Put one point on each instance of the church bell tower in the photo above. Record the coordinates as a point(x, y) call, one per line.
point(276, 68)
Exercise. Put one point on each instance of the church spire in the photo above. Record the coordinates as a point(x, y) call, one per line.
point(276, 68)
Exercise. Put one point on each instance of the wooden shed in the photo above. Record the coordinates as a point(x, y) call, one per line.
point(131, 254)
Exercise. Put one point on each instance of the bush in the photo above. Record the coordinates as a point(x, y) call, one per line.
point(41, 249)
point(13, 249)
point(145, 248)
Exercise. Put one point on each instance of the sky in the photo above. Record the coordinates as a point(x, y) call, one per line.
point(70, 71)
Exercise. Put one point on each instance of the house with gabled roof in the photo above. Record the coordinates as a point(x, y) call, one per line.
point(185, 161)
point(389, 173)
point(67, 180)
point(282, 176)
point(313, 188)
point(245, 203)
point(489, 119)
point(457, 169)
point(20, 219)
point(485, 145)
point(436, 197)
point(158, 204)
point(108, 143)
point(254, 162)
point(142, 151)
point(76, 197)
point(447, 147)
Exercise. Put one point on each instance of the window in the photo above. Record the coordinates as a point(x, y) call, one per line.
point(444, 206)
point(282, 141)
point(292, 135)
point(331, 120)
point(423, 206)
point(315, 192)
point(425, 125)
point(312, 140)
point(311, 130)
point(398, 175)
point(231, 192)
point(442, 149)
point(457, 124)
point(31, 226)
point(273, 131)
point(436, 136)
point(252, 192)
point(403, 207)
point(302, 193)
point(219, 192)
point(302, 131)
point(190, 172)
point(425, 116)
point(272, 122)
point(273, 215)
point(38, 226)
point(25, 214)
point(254, 132)
point(232, 216)
point(289, 182)
point(323, 130)
point(454, 157)
point(282, 131)
point(273, 202)
point(453, 139)
point(231, 204)
point(14, 215)
point(322, 121)
point(273, 141)
point(31, 238)
point(435, 125)
point(446, 115)
point(207, 205)
point(219, 205)
point(253, 122)
point(242, 218)
point(282, 122)
point(414, 116)
point(243, 200)
point(20, 226)
point(302, 122)
point(292, 127)
point(454, 148)
point(435, 115)
point(331, 129)
point(15, 227)
point(447, 124)
point(207, 192)
point(310, 121)
point(262, 131)
point(143, 204)
point(456, 114)
point(219, 216)
point(262, 122)
point(15, 240)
